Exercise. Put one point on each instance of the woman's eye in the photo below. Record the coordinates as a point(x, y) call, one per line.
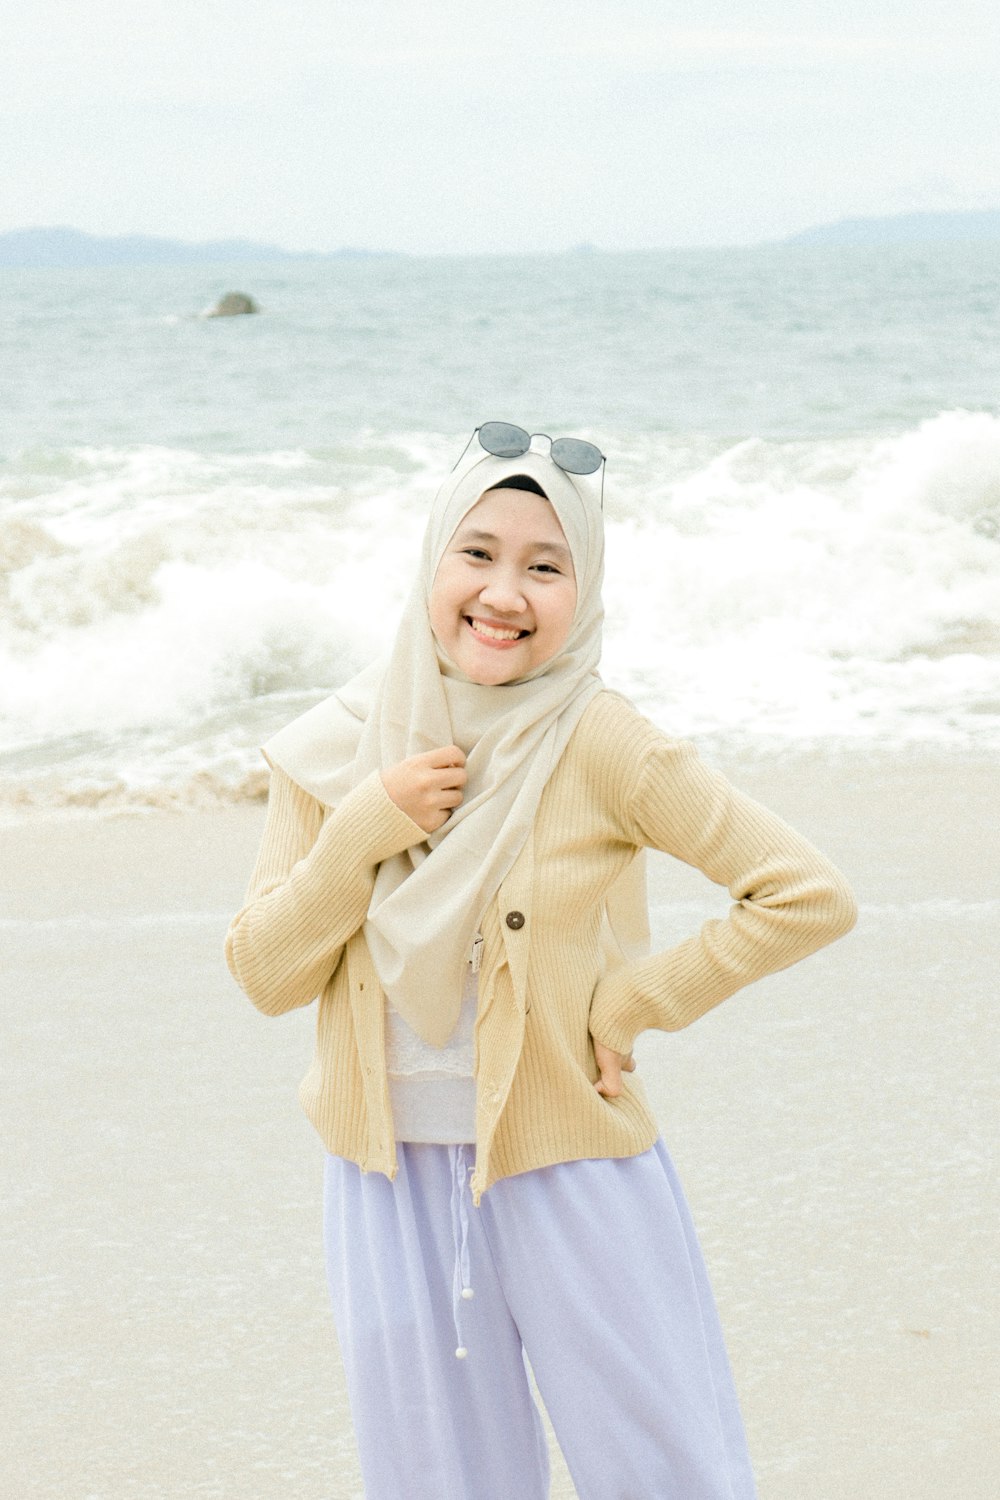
point(546, 568)
point(477, 553)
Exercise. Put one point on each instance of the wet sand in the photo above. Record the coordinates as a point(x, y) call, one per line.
point(164, 1316)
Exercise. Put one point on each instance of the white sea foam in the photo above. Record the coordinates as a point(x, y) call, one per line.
point(163, 609)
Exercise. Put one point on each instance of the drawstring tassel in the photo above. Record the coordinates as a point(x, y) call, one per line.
point(461, 1290)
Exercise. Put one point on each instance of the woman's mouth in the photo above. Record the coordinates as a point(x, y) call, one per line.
point(496, 635)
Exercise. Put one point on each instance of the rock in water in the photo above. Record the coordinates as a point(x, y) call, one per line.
point(232, 305)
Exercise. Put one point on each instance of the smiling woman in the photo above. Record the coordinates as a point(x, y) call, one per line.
point(453, 863)
point(504, 593)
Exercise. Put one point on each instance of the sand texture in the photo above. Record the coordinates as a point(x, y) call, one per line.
point(165, 1325)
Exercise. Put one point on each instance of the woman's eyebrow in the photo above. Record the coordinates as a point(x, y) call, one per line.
point(492, 541)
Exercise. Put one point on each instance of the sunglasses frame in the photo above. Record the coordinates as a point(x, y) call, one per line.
point(530, 436)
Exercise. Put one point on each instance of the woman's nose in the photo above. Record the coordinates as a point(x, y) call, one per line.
point(503, 593)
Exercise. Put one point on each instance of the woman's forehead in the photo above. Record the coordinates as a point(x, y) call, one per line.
point(515, 510)
point(570, 516)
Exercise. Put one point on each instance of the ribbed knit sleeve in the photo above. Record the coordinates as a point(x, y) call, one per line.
point(310, 888)
point(789, 899)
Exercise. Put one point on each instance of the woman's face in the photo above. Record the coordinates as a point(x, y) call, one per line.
point(504, 595)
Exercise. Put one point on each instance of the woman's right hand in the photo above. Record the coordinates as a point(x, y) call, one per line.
point(428, 787)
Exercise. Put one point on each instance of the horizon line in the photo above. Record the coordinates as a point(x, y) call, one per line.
point(270, 248)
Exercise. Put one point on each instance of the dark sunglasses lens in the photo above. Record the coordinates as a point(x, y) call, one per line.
point(576, 457)
point(504, 440)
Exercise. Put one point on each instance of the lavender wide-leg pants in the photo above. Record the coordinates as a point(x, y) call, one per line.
point(589, 1269)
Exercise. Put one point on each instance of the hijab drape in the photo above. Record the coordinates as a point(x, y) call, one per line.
point(428, 901)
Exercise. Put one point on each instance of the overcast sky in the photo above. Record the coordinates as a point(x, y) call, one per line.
point(449, 125)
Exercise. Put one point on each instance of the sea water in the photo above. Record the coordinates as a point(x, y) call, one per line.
point(207, 524)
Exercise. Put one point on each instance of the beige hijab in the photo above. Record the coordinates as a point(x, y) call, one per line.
point(428, 901)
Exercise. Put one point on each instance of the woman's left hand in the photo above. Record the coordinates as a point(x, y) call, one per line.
point(612, 1065)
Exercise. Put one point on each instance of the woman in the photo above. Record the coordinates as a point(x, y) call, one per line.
point(452, 862)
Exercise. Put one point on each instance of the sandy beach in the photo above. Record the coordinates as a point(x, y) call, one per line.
point(166, 1331)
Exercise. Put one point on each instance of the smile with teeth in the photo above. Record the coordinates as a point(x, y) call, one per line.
point(495, 632)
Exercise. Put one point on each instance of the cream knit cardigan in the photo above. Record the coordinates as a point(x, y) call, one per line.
point(545, 983)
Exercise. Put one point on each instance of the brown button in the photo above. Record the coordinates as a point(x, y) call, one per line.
point(515, 920)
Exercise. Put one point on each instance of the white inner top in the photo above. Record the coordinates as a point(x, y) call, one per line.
point(432, 1090)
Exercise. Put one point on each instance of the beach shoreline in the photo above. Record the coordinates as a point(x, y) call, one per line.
point(167, 1321)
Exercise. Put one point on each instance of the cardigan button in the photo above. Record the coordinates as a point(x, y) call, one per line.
point(515, 920)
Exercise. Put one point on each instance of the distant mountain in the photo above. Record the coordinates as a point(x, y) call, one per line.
point(60, 247)
point(906, 229)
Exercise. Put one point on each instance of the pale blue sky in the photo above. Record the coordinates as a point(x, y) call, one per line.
point(441, 126)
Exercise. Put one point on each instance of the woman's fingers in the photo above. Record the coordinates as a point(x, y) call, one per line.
point(448, 755)
point(428, 787)
point(445, 771)
point(445, 768)
point(611, 1066)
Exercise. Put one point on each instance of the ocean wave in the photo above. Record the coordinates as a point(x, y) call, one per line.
point(164, 609)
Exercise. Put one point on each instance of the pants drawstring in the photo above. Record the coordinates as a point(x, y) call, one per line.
point(461, 1290)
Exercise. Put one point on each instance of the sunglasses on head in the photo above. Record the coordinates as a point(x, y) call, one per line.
point(573, 455)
